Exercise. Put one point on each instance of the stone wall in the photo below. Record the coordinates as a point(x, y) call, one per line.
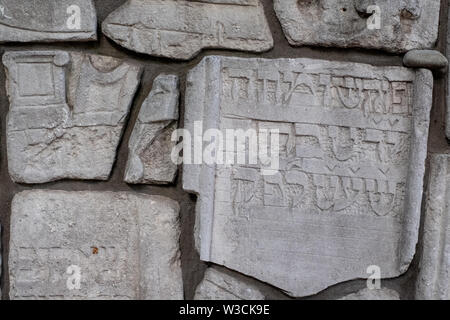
point(85, 165)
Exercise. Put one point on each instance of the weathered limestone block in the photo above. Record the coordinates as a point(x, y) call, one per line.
point(67, 113)
point(47, 20)
point(94, 245)
point(150, 145)
point(429, 59)
point(346, 190)
point(433, 281)
point(217, 285)
point(394, 26)
point(374, 294)
point(180, 29)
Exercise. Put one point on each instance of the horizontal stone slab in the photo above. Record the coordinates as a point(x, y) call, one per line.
point(344, 189)
point(94, 245)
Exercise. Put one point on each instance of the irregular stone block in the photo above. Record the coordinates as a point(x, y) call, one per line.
point(433, 281)
point(181, 29)
point(94, 245)
point(150, 145)
point(347, 188)
point(67, 113)
point(374, 294)
point(47, 20)
point(217, 285)
point(429, 59)
point(394, 26)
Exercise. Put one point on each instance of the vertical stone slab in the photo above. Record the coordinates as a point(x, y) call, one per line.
point(47, 20)
point(180, 29)
point(347, 192)
point(218, 285)
point(94, 245)
point(67, 113)
point(150, 145)
point(394, 26)
point(433, 281)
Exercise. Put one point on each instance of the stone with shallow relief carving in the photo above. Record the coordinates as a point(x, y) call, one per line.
point(47, 20)
point(346, 189)
point(67, 113)
point(181, 29)
point(94, 245)
point(150, 145)
point(394, 26)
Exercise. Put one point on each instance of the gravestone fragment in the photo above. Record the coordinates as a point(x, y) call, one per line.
point(181, 29)
point(47, 20)
point(94, 245)
point(336, 183)
point(218, 285)
point(394, 26)
point(433, 282)
point(150, 145)
point(373, 294)
point(67, 113)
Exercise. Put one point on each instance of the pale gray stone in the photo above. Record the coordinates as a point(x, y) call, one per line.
point(218, 285)
point(433, 281)
point(404, 25)
point(347, 195)
point(66, 115)
point(429, 59)
point(124, 246)
point(150, 145)
point(180, 29)
point(373, 294)
point(47, 20)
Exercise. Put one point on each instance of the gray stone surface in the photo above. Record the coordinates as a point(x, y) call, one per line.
point(123, 245)
point(429, 59)
point(150, 144)
point(66, 114)
point(373, 294)
point(433, 281)
point(47, 20)
point(404, 25)
point(353, 143)
point(218, 285)
point(181, 29)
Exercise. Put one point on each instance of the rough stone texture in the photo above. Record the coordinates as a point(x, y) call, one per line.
point(47, 20)
point(54, 132)
point(433, 281)
point(126, 246)
point(150, 145)
point(429, 59)
point(353, 143)
point(447, 123)
point(376, 294)
point(180, 29)
point(217, 285)
point(405, 25)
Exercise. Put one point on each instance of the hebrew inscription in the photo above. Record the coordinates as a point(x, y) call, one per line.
point(67, 112)
point(395, 26)
point(150, 145)
point(47, 20)
point(181, 29)
point(94, 245)
point(347, 193)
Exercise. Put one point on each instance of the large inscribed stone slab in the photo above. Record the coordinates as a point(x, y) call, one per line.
point(180, 29)
point(94, 245)
point(395, 26)
point(66, 115)
point(47, 20)
point(217, 285)
point(150, 145)
point(347, 195)
point(433, 282)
